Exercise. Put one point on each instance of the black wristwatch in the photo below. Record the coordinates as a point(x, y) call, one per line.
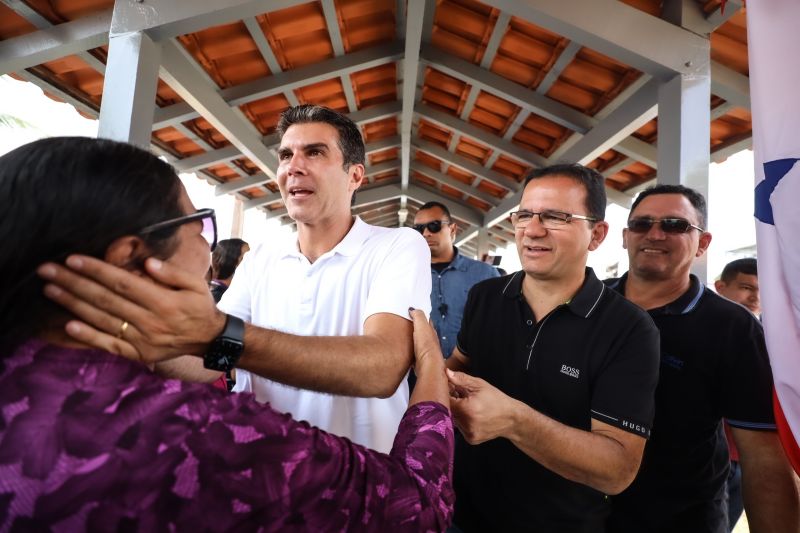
point(225, 350)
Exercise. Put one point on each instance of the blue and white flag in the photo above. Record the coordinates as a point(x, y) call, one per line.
point(773, 42)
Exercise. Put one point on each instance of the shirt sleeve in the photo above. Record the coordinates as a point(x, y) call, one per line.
point(403, 279)
point(624, 390)
point(746, 375)
point(290, 475)
point(236, 300)
point(463, 341)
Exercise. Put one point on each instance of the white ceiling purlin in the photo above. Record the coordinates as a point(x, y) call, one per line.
point(166, 19)
point(612, 106)
point(508, 90)
point(275, 213)
point(287, 81)
point(637, 111)
point(415, 20)
point(332, 22)
point(530, 101)
point(376, 195)
point(262, 200)
point(474, 132)
point(723, 13)
point(466, 164)
point(730, 85)
point(617, 30)
point(451, 182)
point(181, 75)
point(500, 212)
point(564, 58)
point(257, 34)
point(54, 42)
point(457, 209)
point(41, 23)
point(498, 32)
point(232, 186)
point(207, 159)
point(638, 150)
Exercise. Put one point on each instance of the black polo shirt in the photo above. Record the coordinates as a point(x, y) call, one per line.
point(594, 357)
point(714, 365)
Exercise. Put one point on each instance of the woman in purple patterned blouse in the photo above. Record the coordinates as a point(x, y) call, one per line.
point(93, 441)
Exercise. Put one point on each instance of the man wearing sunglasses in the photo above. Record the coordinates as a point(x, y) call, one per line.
point(452, 274)
point(558, 406)
point(714, 365)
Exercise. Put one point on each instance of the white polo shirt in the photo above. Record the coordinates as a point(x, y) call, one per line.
point(372, 270)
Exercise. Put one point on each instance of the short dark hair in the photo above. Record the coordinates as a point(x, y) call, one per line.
point(225, 257)
point(695, 198)
point(351, 144)
point(440, 205)
point(747, 266)
point(592, 181)
point(67, 195)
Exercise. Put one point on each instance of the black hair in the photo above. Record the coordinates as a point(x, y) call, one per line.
point(351, 144)
point(67, 195)
point(592, 181)
point(694, 197)
point(225, 257)
point(434, 204)
point(747, 266)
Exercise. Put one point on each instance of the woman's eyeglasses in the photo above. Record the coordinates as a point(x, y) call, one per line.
point(668, 225)
point(434, 226)
point(206, 216)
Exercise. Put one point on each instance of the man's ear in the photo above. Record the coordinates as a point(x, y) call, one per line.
point(128, 252)
point(704, 241)
point(356, 172)
point(720, 285)
point(599, 232)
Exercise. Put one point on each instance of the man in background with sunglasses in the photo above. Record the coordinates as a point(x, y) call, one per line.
point(452, 274)
point(558, 406)
point(713, 365)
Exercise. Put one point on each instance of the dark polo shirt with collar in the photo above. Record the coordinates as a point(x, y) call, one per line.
point(714, 365)
point(593, 357)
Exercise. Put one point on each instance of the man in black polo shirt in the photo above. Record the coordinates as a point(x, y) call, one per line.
point(713, 364)
point(559, 402)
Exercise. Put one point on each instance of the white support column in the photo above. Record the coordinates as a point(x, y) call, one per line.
point(129, 92)
point(483, 243)
point(684, 121)
point(237, 225)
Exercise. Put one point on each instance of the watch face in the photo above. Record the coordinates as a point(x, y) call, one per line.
point(223, 355)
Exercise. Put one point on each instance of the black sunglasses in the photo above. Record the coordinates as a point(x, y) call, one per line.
point(434, 226)
point(207, 217)
point(668, 225)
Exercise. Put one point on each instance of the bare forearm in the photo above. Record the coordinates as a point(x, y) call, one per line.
point(354, 366)
point(431, 383)
point(771, 498)
point(586, 457)
point(186, 368)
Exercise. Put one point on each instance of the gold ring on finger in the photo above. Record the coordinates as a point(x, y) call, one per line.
point(122, 329)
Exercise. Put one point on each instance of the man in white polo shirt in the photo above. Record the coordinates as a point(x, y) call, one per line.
point(341, 277)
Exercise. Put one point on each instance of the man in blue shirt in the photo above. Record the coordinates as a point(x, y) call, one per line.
point(453, 275)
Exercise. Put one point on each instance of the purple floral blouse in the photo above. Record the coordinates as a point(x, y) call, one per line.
point(93, 442)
